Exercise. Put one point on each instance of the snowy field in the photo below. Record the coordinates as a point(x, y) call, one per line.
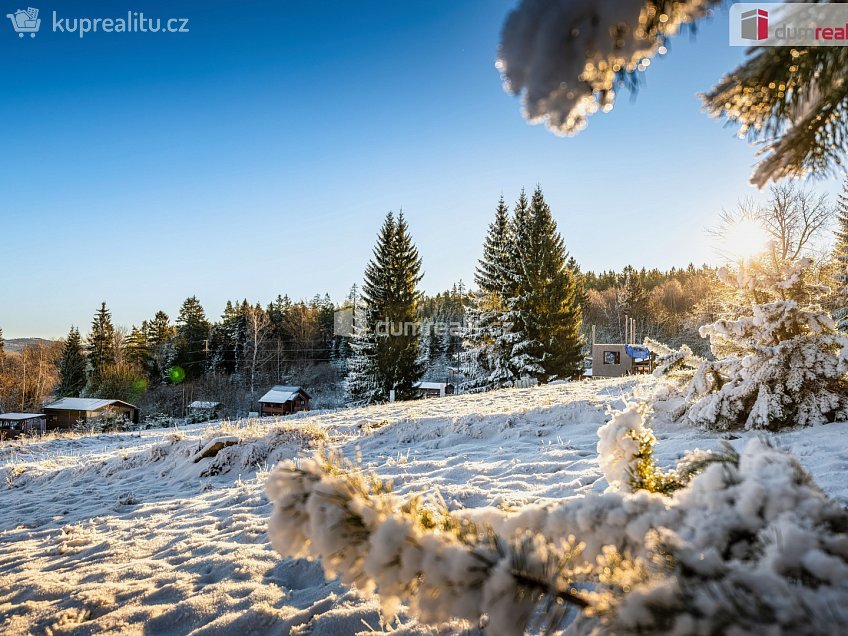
point(138, 533)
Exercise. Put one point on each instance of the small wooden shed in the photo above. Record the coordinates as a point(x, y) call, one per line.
point(68, 412)
point(433, 389)
point(616, 360)
point(14, 425)
point(283, 400)
point(204, 409)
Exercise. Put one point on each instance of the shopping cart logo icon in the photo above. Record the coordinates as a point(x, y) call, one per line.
point(25, 21)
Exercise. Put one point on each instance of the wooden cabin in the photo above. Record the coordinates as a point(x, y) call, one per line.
point(201, 409)
point(616, 360)
point(283, 400)
point(14, 425)
point(68, 412)
point(433, 389)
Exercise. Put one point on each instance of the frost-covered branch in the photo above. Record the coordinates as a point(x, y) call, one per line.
point(669, 360)
point(749, 543)
point(444, 566)
point(567, 57)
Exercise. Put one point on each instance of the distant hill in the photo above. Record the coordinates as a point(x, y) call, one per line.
point(16, 345)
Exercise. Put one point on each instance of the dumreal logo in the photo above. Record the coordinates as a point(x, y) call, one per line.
point(789, 24)
point(345, 322)
point(25, 21)
point(755, 24)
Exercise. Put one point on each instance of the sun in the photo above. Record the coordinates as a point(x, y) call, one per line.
point(744, 239)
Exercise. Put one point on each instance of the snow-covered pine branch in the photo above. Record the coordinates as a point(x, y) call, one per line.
point(443, 566)
point(749, 544)
point(669, 359)
point(567, 57)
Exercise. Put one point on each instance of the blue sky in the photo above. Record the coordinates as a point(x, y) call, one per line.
point(257, 155)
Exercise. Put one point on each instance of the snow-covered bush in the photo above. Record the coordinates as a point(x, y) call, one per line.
point(626, 455)
point(748, 544)
point(784, 366)
point(777, 364)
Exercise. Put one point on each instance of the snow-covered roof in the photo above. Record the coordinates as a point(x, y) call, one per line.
point(433, 386)
point(17, 417)
point(83, 404)
point(281, 394)
point(200, 404)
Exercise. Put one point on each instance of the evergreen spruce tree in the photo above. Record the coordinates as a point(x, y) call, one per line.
point(278, 314)
point(541, 296)
point(160, 330)
point(324, 311)
point(361, 385)
point(386, 347)
point(487, 357)
point(137, 348)
point(101, 342)
point(2, 365)
point(228, 339)
point(72, 366)
point(191, 342)
point(160, 334)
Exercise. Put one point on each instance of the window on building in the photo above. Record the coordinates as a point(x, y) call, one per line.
point(612, 357)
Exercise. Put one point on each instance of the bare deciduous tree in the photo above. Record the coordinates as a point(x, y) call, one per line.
point(258, 326)
point(27, 379)
point(793, 220)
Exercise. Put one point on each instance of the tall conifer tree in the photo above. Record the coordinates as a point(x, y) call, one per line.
point(840, 254)
point(386, 349)
point(542, 299)
point(191, 343)
point(487, 356)
point(101, 342)
point(137, 348)
point(160, 334)
point(72, 366)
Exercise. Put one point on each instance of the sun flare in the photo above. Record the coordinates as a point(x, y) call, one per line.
point(744, 239)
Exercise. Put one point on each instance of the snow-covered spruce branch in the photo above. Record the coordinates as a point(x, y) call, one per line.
point(443, 566)
point(669, 360)
point(749, 543)
point(626, 455)
point(567, 58)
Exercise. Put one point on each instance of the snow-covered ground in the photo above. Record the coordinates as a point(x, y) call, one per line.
point(138, 533)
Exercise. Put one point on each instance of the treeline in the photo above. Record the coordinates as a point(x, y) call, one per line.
point(668, 306)
point(228, 360)
point(163, 364)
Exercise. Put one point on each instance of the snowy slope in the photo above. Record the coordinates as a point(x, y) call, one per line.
point(127, 533)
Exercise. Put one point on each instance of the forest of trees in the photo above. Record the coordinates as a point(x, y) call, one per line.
point(530, 315)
